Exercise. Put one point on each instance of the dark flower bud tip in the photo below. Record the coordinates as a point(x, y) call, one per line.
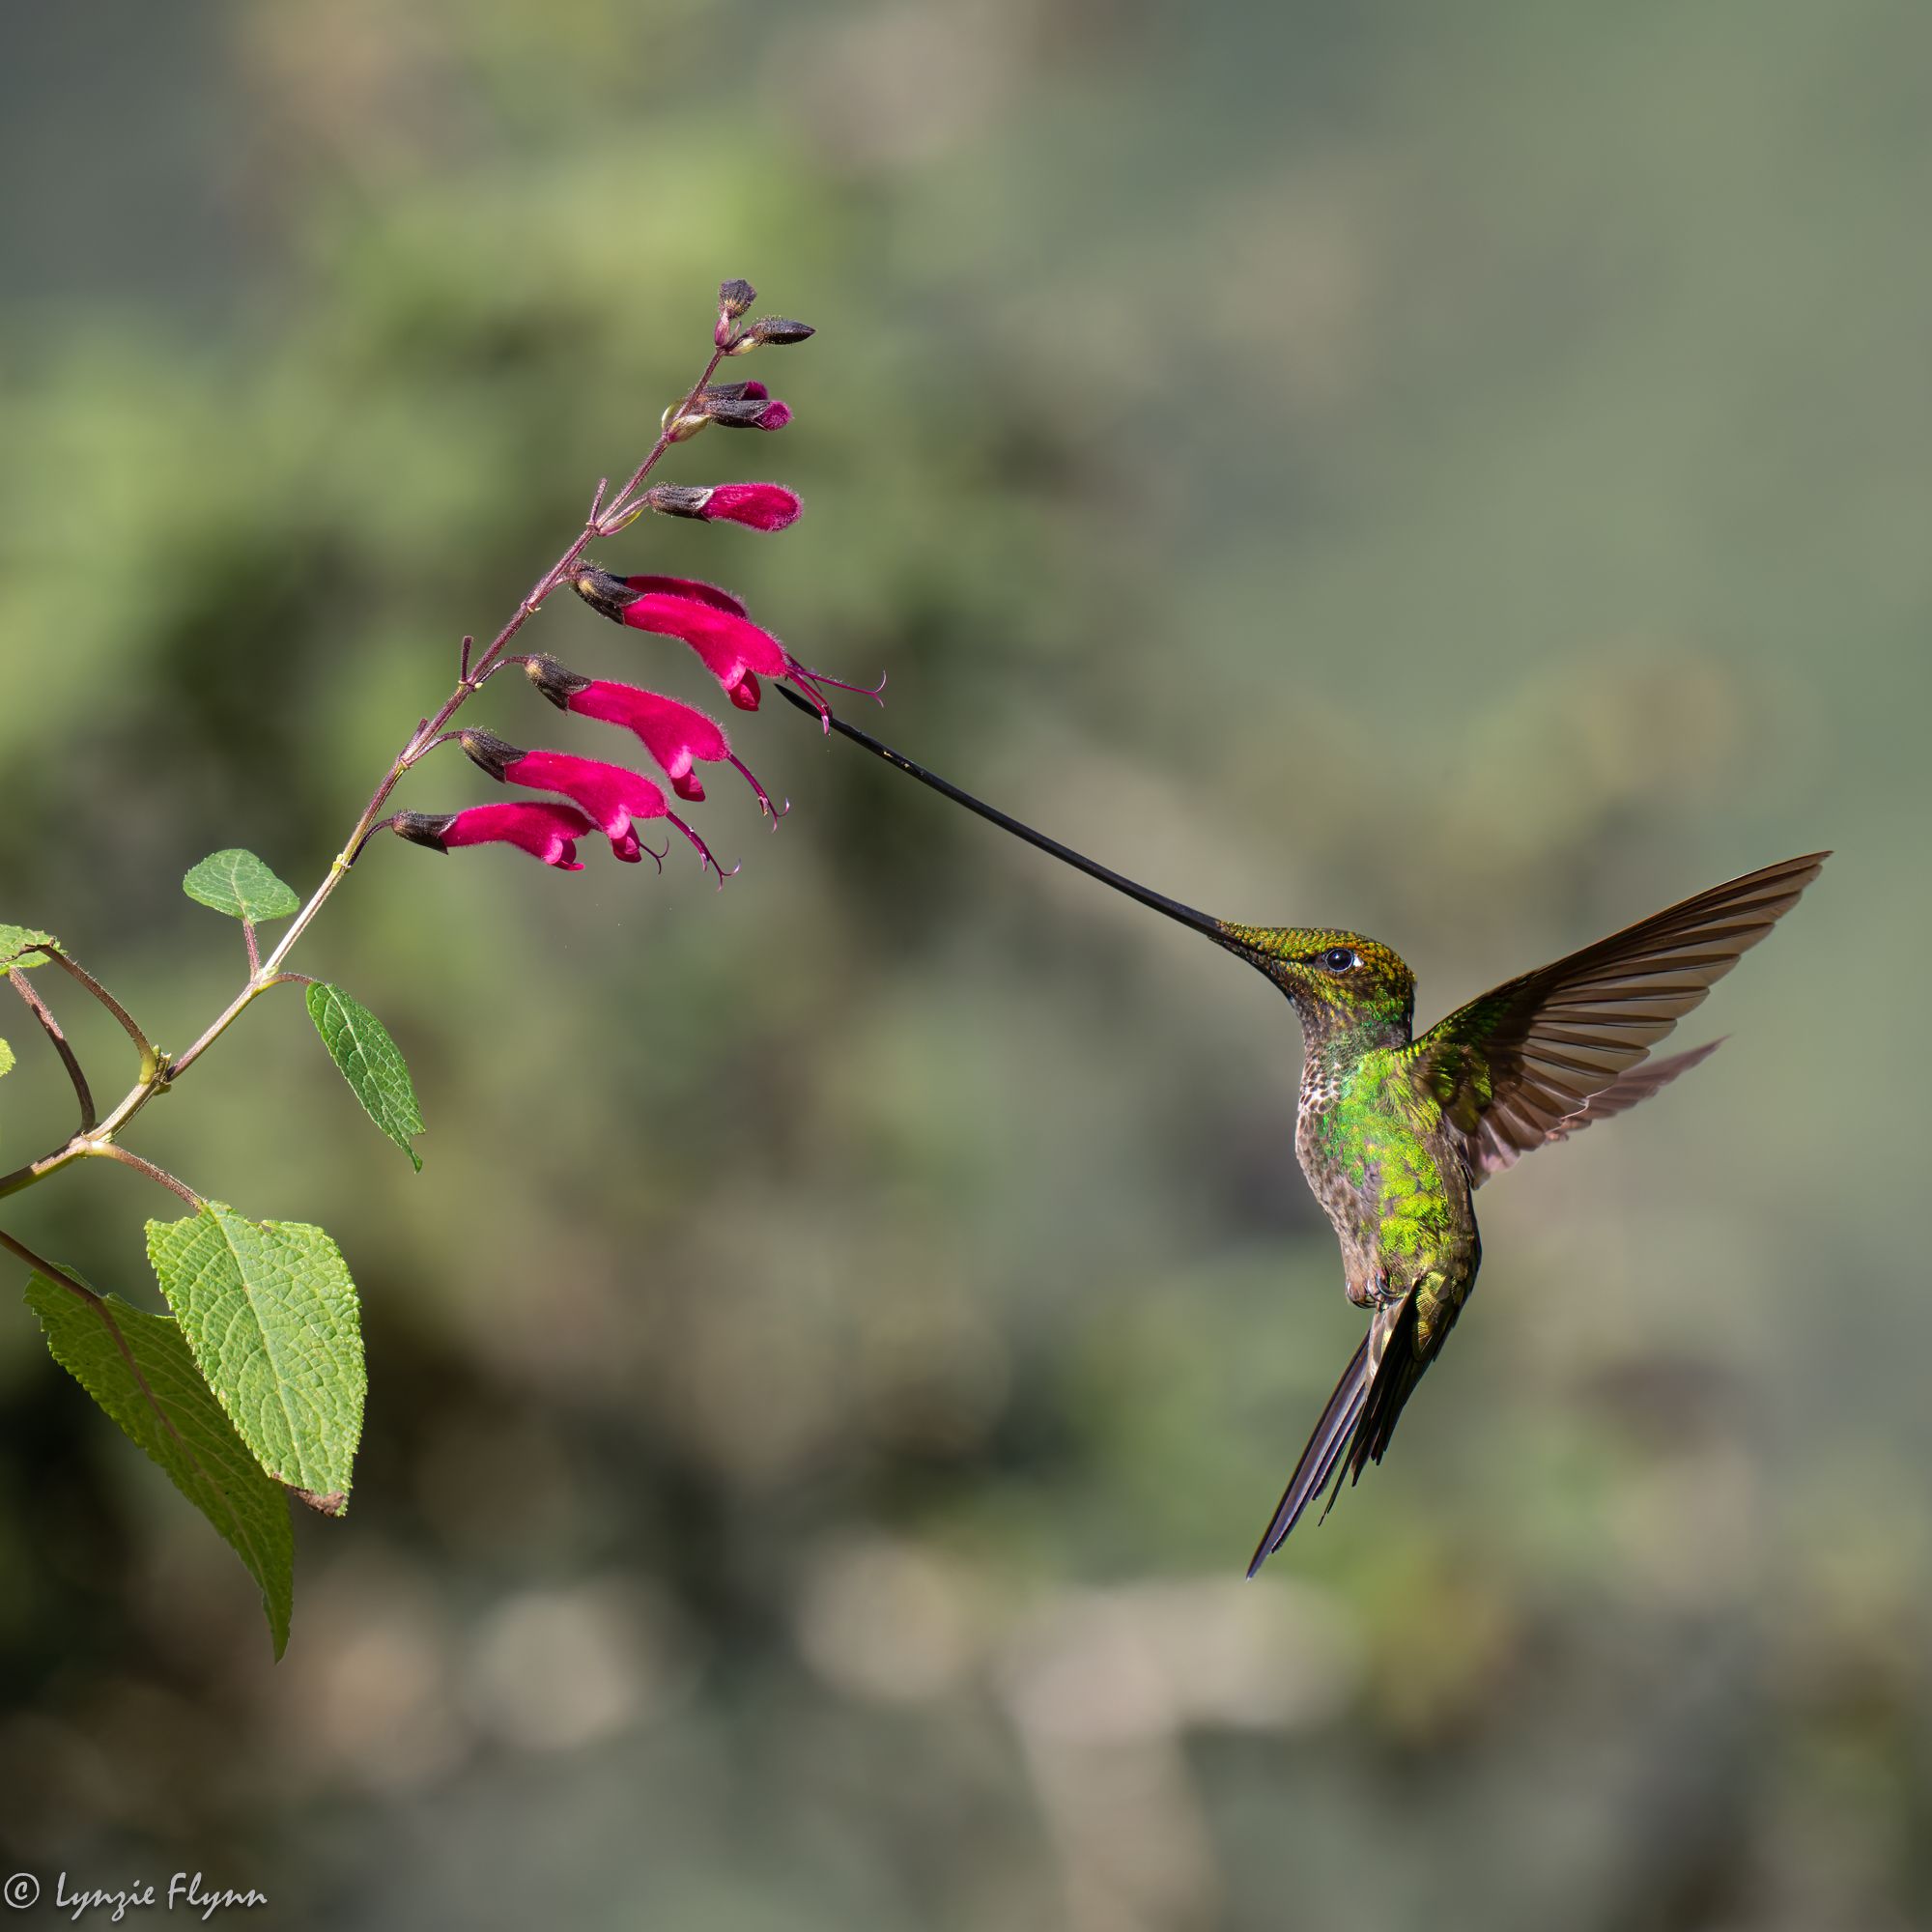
point(605, 594)
point(676, 500)
point(550, 678)
point(779, 329)
point(423, 828)
point(489, 753)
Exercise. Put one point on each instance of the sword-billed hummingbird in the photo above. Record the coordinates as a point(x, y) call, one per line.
point(1396, 1133)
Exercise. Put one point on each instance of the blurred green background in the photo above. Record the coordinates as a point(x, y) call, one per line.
point(1463, 473)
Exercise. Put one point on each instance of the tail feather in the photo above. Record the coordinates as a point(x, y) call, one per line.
point(1323, 1451)
point(1360, 1417)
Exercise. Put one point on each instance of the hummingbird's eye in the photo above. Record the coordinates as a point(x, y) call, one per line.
point(1338, 959)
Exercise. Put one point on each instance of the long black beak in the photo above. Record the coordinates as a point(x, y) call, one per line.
point(1199, 921)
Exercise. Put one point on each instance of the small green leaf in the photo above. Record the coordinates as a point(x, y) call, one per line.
point(15, 940)
point(237, 883)
point(6, 1058)
point(270, 1313)
point(180, 1425)
point(359, 1044)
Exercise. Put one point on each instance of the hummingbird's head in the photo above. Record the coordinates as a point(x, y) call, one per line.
point(1343, 985)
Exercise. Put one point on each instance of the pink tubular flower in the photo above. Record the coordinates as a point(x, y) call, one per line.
point(545, 830)
point(733, 649)
point(614, 796)
point(758, 506)
point(675, 736)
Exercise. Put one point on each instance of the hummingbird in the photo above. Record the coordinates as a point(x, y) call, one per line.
point(1396, 1132)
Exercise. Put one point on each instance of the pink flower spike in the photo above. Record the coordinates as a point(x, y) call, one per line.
point(675, 736)
point(545, 830)
point(614, 796)
point(610, 795)
point(728, 645)
point(733, 649)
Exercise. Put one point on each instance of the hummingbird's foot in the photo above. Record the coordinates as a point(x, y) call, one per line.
point(1375, 1291)
point(1371, 1291)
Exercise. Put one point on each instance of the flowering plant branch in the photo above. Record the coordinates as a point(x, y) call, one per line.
point(252, 1385)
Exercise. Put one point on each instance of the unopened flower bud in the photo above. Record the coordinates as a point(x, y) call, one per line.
point(609, 525)
point(779, 330)
point(733, 300)
point(682, 428)
point(758, 506)
point(743, 406)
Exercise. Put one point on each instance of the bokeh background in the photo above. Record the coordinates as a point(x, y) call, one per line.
point(1464, 473)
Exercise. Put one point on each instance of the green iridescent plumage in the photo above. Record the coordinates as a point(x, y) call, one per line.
point(1394, 1134)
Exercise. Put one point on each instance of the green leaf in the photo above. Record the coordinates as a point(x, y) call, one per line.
point(6, 1058)
point(237, 883)
point(180, 1425)
point(15, 940)
point(359, 1044)
point(270, 1313)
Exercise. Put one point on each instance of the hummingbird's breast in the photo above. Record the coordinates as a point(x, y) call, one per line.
point(1392, 1189)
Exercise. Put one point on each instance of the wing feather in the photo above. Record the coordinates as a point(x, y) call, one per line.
point(1546, 1055)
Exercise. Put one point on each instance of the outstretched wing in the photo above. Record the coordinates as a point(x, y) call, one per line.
point(1546, 1055)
